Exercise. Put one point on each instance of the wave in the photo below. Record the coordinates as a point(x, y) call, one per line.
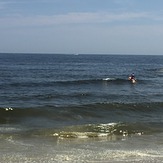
point(110, 131)
point(135, 107)
point(110, 121)
point(90, 112)
point(65, 82)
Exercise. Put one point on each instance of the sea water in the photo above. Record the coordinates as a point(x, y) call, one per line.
point(81, 108)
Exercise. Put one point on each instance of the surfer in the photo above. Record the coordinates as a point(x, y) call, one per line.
point(132, 78)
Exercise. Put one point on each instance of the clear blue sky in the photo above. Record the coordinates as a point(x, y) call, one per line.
point(82, 26)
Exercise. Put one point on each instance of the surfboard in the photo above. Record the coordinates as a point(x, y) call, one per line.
point(132, 80)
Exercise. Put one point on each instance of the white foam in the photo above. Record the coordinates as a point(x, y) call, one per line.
point(82, 151)
point(6, 129)
point(9, 109)
point(109, 79)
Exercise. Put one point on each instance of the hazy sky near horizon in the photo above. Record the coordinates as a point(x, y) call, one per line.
point(82, 26)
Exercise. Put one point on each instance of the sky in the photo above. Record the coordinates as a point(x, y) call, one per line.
point(81, 26)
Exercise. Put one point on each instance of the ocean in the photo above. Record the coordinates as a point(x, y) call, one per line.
point(81, 108)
